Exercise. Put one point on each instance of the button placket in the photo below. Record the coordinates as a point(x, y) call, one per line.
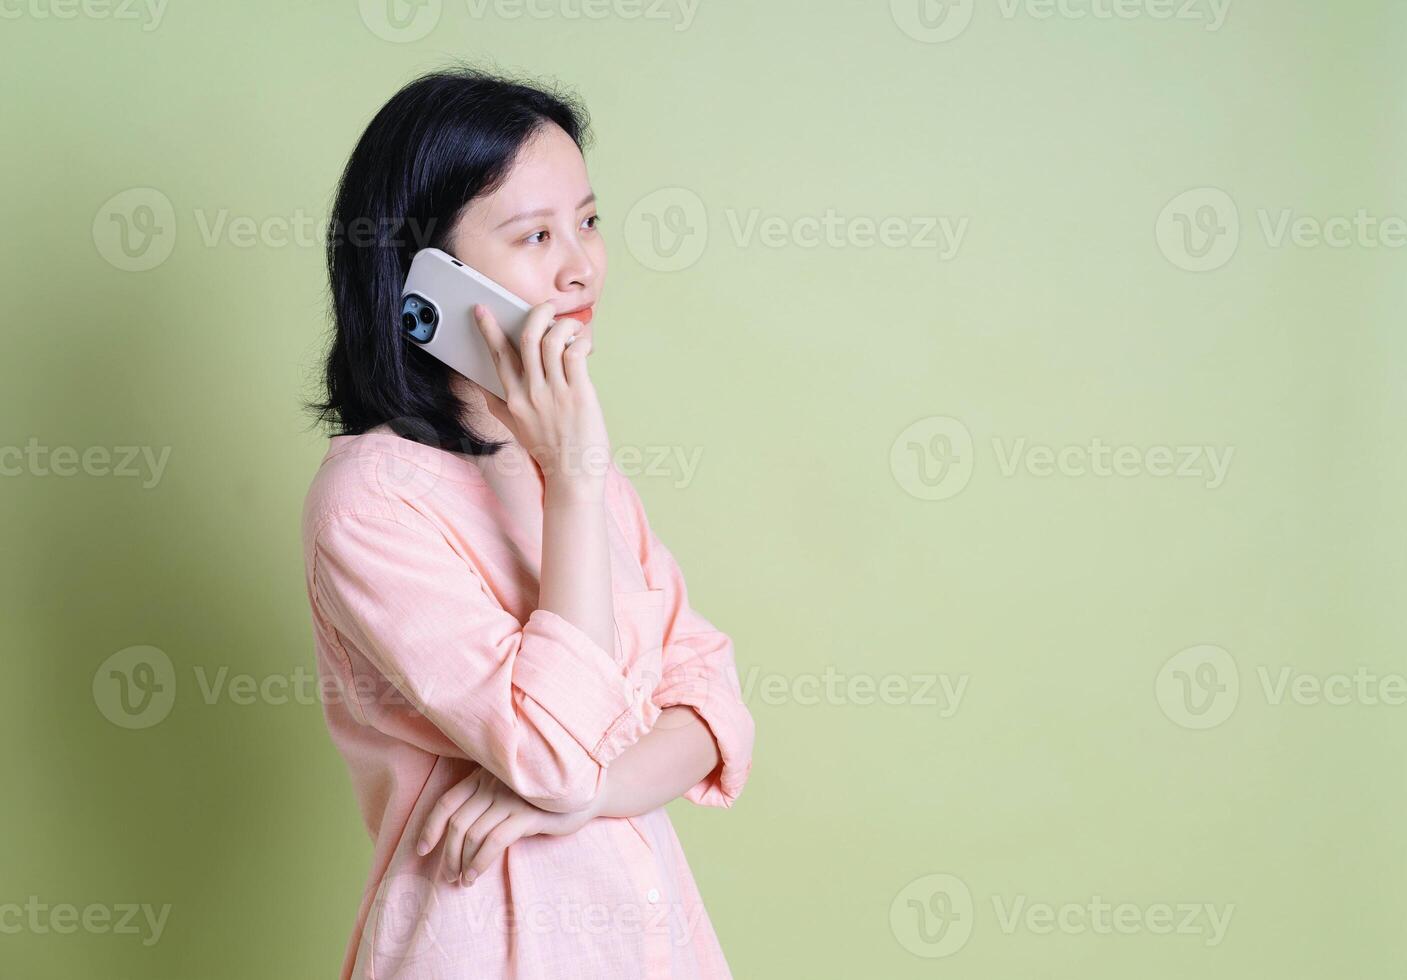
point(634, 689)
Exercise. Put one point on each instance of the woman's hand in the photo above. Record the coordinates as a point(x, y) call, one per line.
point(551, 397)
point(479, 817)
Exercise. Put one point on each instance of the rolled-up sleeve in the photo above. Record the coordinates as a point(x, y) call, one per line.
point(539, 704)
point(698, 667)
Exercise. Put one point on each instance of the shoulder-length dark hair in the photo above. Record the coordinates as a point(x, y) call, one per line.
point(441, 141)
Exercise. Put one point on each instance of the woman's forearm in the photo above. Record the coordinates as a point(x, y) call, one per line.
point(673, 756)
point(576, 559)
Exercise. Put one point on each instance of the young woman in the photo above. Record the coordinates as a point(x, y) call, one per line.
point(511, 667)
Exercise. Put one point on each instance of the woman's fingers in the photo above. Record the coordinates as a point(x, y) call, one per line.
point(505, 358)
point(574, 361)
point(460, 828)
point(539, 319)
point(486, 822)
point(553, 346)
point(557, 416)
point(455, 797)
point(493, 842)
point(478, 819)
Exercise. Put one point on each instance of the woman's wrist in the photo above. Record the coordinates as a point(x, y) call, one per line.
point(568, 490)
point(600, 805)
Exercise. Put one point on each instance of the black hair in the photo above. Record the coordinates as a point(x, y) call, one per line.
point(442, 140)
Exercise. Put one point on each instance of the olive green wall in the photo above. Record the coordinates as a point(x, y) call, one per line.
point(1019, 384)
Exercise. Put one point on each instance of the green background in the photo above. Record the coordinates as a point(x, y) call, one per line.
point(1067, 771)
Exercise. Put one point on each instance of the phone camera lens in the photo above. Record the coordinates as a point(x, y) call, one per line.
point(427, 314)
point(408, 321)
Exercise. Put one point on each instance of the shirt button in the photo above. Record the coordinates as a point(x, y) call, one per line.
point(653, 895)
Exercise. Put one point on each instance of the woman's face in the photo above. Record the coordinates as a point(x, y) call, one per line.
point(536, 235)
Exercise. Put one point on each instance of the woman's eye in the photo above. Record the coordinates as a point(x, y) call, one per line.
point(533, 239)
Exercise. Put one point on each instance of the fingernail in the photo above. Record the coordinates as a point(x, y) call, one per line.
point(422, 847)
point(469, 877)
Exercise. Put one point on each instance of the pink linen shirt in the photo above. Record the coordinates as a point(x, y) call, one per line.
point(422, 571)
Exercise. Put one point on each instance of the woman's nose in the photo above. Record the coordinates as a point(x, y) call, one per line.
point(576, 269)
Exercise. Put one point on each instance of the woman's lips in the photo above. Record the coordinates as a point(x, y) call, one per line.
point(583, 316)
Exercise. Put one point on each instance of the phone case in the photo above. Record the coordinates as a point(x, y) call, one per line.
point(451, 289)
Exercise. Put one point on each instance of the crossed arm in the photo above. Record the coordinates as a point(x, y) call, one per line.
point(561, 732)
point(677, 753)
point(480, 817)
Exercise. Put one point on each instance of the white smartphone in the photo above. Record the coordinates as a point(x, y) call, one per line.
point(437, 314)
